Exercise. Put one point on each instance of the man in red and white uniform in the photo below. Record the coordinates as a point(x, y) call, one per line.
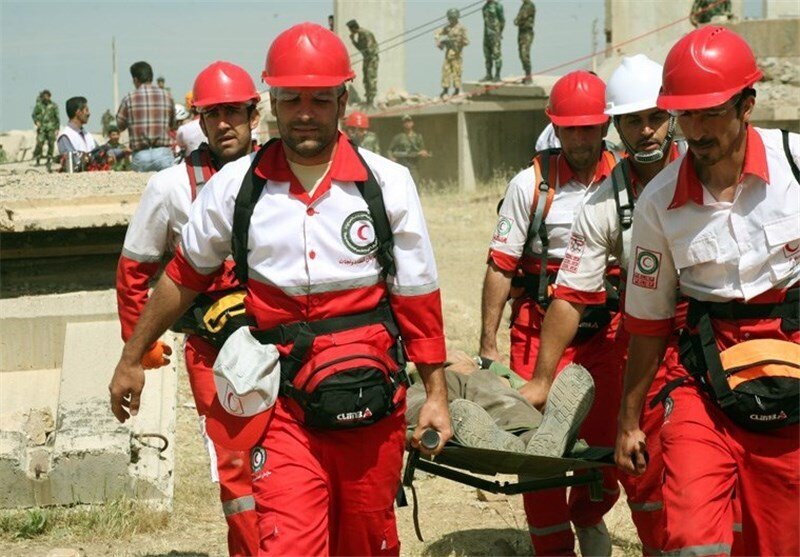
point(726, 218)
point(226, 97)
point(312, 256)
point(576, 109)
point(598, 236)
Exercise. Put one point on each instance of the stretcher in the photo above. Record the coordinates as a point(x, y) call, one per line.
point(463, 465)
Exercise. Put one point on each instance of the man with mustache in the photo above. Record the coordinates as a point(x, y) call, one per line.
point(602, 233)
point(226, 97)
point(529, 242)
point(722, 224)
point(330, 294)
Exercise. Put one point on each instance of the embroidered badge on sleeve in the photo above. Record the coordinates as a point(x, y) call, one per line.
point(574, 252)
point(502, 230)
point(646, 268)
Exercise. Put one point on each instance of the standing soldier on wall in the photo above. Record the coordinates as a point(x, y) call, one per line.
point(524, 21)
point(45, 117)
point(452, 38)
point(493, 23)
point(407, 147)
point(366, 44)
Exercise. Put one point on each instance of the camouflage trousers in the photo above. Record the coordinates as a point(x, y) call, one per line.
point(509, 409)
point(452, 68)
point(370, 78)
point(48, 136)
point(492, 51)
point(524, 41)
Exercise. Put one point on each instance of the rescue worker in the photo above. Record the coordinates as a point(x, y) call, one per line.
point(226, 97)
point(357, 128)
point(725, 217)
point(601, 233)
point(313, 265)
point(531, 249)
point(452, 38)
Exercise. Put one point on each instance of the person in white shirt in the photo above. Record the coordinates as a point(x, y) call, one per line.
point(74, 138)
point(722, 224)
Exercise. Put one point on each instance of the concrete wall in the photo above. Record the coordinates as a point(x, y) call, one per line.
point(771, 38)
point(59, 442)
point(781, 8)
point(386, 19)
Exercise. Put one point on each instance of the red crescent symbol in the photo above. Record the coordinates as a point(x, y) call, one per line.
point(360, 231)
point(238, 408)
point(790, 249)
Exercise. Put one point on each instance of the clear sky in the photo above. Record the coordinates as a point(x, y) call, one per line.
point(66, 46)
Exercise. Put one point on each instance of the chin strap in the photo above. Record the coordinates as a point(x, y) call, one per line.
point(649, 157)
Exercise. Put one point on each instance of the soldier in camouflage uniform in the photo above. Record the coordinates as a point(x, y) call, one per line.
point(524, 21)
point(366, 44)
point(45, 117)
point(452, 38)
point(3, 155)
point(408, 147)
point(106, 121)
point(701, 12)
point(493, 23)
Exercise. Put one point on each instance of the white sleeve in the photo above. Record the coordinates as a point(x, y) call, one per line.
point(652, 277)
point(206, 237)
point(511, 232)
point(148, 231)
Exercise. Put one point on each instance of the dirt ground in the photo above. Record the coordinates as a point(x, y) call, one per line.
point(455, 520)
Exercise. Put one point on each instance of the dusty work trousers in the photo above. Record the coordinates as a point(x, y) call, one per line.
point(507, 407)
point(550, 512)
point(328, 492)
point(705, 454)
point(233, 467)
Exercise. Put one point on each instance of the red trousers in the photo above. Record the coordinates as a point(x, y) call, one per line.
point(706, 458)
point(550, 512)
point(233, 467)
point(328, 492)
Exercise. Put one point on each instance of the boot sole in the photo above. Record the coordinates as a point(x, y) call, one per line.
point(569, 401)
point(473, 427)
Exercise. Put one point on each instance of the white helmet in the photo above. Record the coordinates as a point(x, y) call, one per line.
point(181, 113)
point(634, 87)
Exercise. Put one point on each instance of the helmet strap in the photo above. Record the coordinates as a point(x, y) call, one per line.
point(649, 157)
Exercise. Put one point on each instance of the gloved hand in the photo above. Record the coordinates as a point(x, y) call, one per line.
point(156, 356)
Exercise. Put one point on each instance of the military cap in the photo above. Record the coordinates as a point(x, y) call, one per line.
point(407, 118)
point(453, 12)
point(352, 23)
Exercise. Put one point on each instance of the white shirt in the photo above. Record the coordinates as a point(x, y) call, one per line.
point(509, 240)
point(81, 142)
point(723, 250)
point(190, 136)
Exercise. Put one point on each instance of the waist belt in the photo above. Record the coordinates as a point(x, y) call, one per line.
point(531, 284)
point(303, 333)
point(787, 309)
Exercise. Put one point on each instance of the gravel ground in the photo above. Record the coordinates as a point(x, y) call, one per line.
point(20, 181)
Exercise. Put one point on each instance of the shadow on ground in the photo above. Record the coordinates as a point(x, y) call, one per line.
point(483, 541)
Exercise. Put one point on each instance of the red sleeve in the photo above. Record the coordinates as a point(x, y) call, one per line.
point(421, 325)
point(180, 271)
point(504, 261)
point(649, 327)
point(578, 296)
point(133, 282)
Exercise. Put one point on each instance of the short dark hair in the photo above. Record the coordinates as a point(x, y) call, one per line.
point(142, 72)
point(74, 104)
point(45, 92)
point(746, 92)
point(352, 24)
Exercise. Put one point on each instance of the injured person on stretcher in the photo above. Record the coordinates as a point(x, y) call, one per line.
point(488, 413)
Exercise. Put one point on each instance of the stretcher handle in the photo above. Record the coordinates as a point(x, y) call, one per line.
point(430, 439)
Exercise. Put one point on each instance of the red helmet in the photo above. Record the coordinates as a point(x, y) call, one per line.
point(706, 68)
point(307, 55)
point(578, 99)
point(357, 120)
point(222, 83)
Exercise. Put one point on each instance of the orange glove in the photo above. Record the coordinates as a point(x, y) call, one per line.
point(156, 356)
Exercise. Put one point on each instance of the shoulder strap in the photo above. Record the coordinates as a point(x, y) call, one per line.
point(246, 199)
point(543, 194)
point(373, 195)
point(789, 156)
point(199, 169)
point(624, 200)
